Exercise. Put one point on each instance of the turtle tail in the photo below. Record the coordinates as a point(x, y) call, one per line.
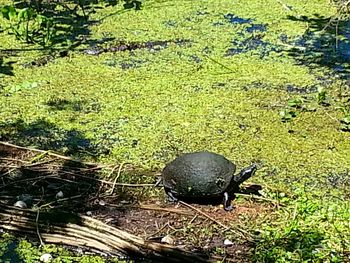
point(245, 174)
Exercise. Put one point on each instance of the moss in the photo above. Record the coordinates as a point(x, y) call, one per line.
point(170, 101)
point(189, 96)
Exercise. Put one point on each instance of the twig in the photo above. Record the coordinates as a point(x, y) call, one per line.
point(284, 5)
point(51, 154)
point(40, 163)
point(106, 182)
point(37, 228)
point(219, 63)
point(194, 218)
point(154, 208)
point(60, 200)
point(116, 178)
point(12, 159)
point(205, 215)
point(158, 231)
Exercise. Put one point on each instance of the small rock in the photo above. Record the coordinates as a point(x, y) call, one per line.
point(20, 204)
point(79, 250)
point(25, 198)
point(59, 195)
point(167, 240)
point(46, 257)
point(102, 203)
point(89, 213)
point(228, 242)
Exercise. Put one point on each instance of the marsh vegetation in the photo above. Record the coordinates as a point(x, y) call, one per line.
point(134, 84)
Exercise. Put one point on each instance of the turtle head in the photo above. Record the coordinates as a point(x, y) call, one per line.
point(245, 174)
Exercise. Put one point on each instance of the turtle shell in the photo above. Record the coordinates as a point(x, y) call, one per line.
point(199, 174)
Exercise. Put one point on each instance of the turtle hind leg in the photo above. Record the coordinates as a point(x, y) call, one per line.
point(227, 202)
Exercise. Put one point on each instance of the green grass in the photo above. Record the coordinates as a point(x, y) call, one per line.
point(169, 104)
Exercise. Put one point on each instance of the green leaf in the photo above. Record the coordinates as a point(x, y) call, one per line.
point(346, 120)
point(287, 115)
point(25, 14)
point(12, 13)
point(5, 12)
point(296, 103)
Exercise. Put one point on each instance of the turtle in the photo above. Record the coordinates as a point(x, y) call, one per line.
point(203, 176)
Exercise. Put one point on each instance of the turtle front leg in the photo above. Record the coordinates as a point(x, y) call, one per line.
point(158, 182)
point(171, 197)
point(227, 202)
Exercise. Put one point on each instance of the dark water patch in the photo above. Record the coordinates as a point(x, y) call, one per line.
point(170, 23)
point(257, 85)
point(300, 90)
point(256, 27)
point(284, 38)
point(202, 13)
point(246, 40)
point(127, 64)
point(207, 50)
point(195, 59)
point(132, 63)
point(218, 23)
point(219, 85)
point(46, 59)
point(261, 47)
point(61, 104)
point(130, 46)
point(237, 20)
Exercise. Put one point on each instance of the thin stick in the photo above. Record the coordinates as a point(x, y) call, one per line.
point(60, 200)
point(12, 159)
point(219, 63)
point(284, 5)
point(37, 228)
point(158, 231)
point(50, 154)
point(106, 182)
point(117, 177)
point(40, 163)
point(205, 215)
point(154, 208)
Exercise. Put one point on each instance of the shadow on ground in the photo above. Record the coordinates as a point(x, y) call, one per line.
point(5, 68)
point(47, 136)
point(326, 44)
point(71, 20)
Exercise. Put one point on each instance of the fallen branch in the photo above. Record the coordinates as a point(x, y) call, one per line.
point(74, 230)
